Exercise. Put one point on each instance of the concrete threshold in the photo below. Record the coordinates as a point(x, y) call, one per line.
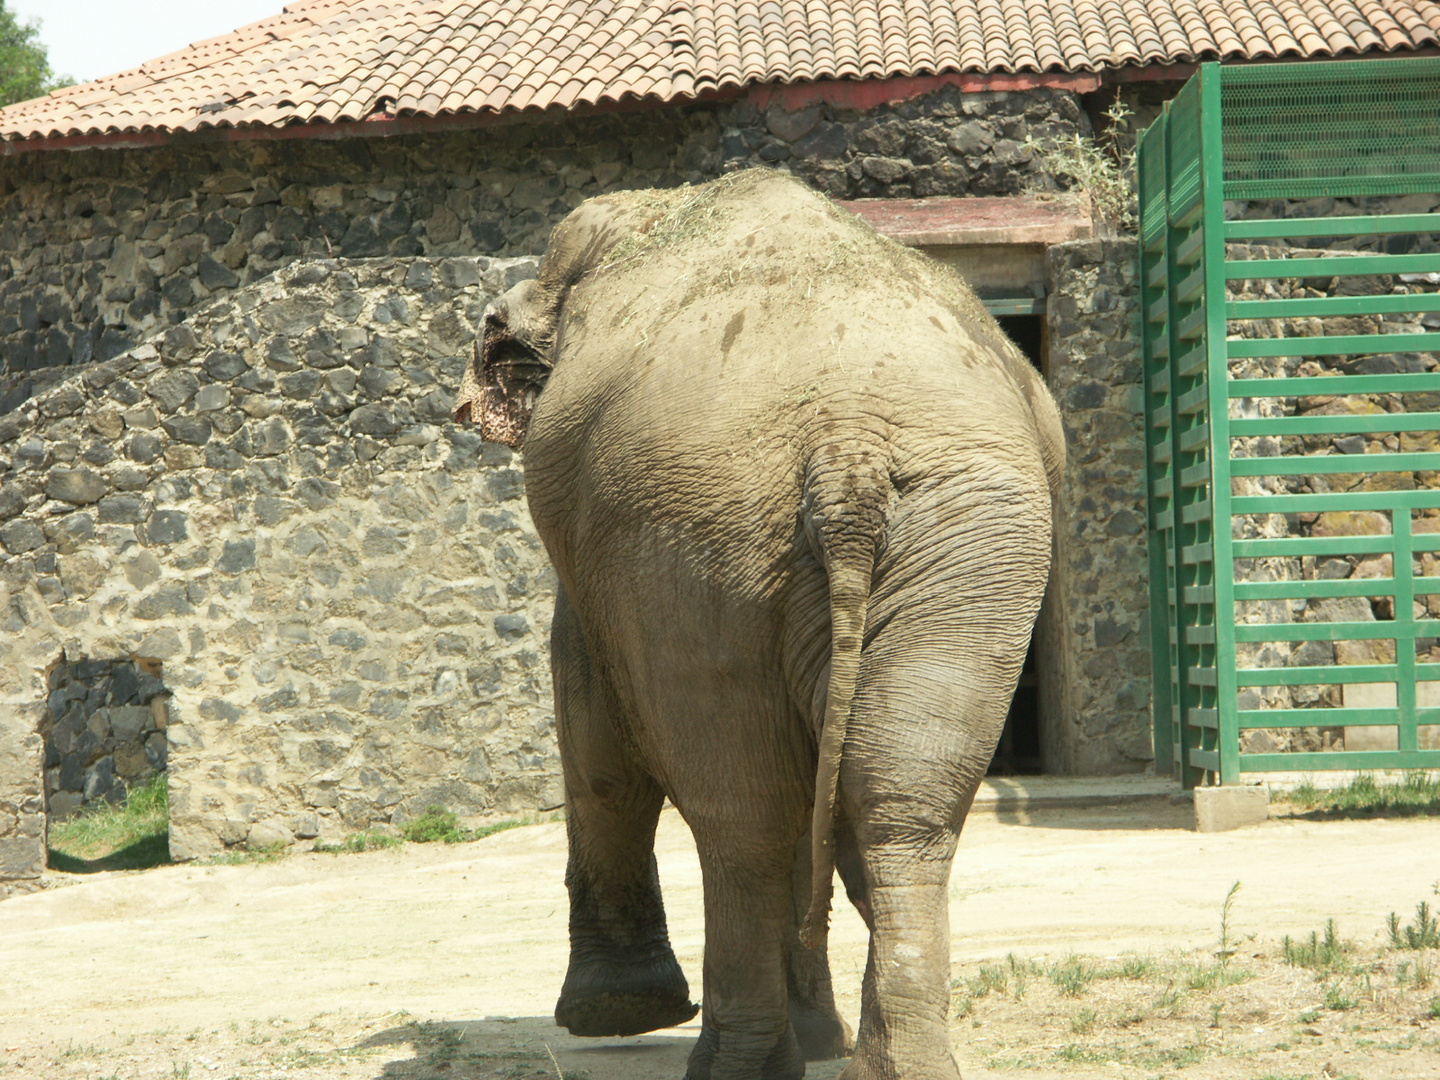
point(1028, 794)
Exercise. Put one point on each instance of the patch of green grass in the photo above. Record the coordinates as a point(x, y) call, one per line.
point(1072, 976)
point(1423, 933)
point(1170, 1001)
point(1417, 794)
point(133, 835)
point(1076, 1054)
point(991, 977)
point(1207, 977)
point(499, 827)
point(267, 854)
point(1338, 998)
point(1435, 1008)
point(367, 840)
point(1136, 968)
point(436, 824)
point(1083, 1021)
point(1323, 955)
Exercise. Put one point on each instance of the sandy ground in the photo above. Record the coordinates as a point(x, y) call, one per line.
point(444, 961)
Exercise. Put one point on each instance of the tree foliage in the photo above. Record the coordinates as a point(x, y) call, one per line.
point(24, 62)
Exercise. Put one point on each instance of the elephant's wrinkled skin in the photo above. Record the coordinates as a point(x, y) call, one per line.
point(797, 488)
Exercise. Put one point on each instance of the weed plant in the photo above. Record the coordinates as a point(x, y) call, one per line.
point(1102, 166)
point(1323, 955)
point(1071, 976)
point(133, 834)
point(1423, 933)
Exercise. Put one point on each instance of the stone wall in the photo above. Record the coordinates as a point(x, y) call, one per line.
point(1099, 720)
point(946, 143)
point(343, 586)
point(102, 248)
point(104, 733)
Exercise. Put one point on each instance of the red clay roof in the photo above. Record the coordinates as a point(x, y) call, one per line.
point(328, 61)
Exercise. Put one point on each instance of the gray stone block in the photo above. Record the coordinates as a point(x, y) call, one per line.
point(1220, 809)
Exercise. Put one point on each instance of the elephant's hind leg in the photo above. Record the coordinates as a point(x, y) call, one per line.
point(623, 977)
point(936, 679)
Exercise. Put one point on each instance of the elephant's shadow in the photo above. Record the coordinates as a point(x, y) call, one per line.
point(532, 1047)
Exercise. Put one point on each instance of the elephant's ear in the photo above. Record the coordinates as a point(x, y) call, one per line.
point(508, 368)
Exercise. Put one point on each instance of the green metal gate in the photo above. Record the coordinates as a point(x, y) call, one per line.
point(1291, 432)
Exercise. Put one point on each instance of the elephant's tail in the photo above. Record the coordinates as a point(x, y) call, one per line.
point(845, 507)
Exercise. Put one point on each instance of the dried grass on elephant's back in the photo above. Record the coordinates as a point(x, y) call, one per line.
point(839, 251)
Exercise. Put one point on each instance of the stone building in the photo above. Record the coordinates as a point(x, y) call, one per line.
point(240, 538)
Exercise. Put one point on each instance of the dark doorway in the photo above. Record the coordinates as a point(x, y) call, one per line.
point(1018, 753)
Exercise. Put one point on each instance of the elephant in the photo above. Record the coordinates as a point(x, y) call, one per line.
point(797, 488)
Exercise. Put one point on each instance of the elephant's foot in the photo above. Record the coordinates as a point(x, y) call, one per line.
point(784, 1061)
point(606, 998)
point(942, 1066)
point(822, 1034)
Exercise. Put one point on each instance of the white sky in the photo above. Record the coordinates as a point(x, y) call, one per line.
point(90, 38)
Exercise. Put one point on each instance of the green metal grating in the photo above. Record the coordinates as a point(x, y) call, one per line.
point(1362, 127)
point(1218, 381)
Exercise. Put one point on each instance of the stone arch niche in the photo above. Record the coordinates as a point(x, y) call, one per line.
point(343, 587)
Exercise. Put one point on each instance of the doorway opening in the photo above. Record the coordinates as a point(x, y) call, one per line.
point(1019, 750)
point(105, 730)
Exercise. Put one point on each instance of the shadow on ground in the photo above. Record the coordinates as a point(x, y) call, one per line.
point(144, 853)
point(532, 1047)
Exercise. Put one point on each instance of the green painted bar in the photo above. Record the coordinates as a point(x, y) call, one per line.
point(1335, 385)
point(1191, 326)
point(1301, 590)
point(1189, 289)
point(1196, 475)
point(1204, 718)
point(1275, 718)
point(1424, 499)
point(1332, 345)
point(1336, 425)
point(1406, 629)
point(1328, 674)
point(1192, 400)
point(1272, 547)
point(1207, 760)
point(1190, 250)
point(1191, 362)
point(1359, 760)
point(1321, 306)
point(1376, 225)
point(1334, 463)
point(1195, 512)
point(1336, 266)
point(1197, 554)
point(1195, 438)
point(1330, 631)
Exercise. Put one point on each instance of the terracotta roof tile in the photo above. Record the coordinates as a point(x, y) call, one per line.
point(336, 60)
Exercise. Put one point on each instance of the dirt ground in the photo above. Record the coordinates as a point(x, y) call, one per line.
point(1084, 945)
